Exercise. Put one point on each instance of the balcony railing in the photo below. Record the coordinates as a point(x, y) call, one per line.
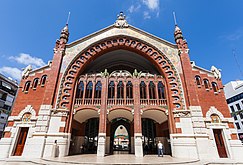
point(119, 101)
point(159, 102)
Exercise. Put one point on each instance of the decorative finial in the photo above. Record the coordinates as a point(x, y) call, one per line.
point(68, 18)
point(65, 31)
point(174, 18)
point(121, 21)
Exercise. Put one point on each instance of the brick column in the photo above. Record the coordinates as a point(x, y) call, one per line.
point(137, 120)
point(188, 78)
point(102, 120)
point(53, 78)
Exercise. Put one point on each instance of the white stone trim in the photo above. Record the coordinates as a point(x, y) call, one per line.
point(29, 109)
point(212, 110)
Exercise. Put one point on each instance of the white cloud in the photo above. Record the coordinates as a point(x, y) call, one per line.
point(235, 35)
point(146, 15)
point(14, 73)
point(151, 4)
point(134, 8)
point(27, 59)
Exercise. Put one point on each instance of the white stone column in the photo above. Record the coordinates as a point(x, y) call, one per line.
point(138, 145)
point(101, 144)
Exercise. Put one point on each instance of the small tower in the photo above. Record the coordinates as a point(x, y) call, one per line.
point(179, 39)
point(188, 78)
point(59, 52)
point(61, 43)
point(178, 34)
point(64, 34)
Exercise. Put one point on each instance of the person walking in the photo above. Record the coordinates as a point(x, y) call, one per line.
point(160, 149)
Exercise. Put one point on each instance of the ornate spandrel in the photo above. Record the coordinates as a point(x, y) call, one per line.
point(121, 21)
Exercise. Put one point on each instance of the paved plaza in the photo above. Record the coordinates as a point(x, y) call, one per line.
point(116, 159)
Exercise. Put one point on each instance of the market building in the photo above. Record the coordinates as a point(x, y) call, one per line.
point(121, 78)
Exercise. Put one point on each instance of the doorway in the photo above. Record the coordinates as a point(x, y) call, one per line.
point(218, 136)
point(91, 136)
point(149, 136)
point(21, 141)
point(120, 142)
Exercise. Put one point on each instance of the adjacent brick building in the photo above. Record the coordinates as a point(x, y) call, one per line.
point(119, 77)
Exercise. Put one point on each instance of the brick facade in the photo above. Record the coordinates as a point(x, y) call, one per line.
point(181, 113)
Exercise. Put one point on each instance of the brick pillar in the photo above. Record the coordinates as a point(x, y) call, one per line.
point(102, 120)
point(53, 78)
point(137, 120)
point(188, 78)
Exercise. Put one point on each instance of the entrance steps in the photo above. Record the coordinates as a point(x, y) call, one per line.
point(92, 159)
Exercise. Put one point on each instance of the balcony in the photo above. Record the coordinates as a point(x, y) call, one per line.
point(119, 101)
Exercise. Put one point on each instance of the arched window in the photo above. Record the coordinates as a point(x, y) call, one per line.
point(98, 88)
point(161, 90)
point(151, 90)
point(215, 118)
point(111, 89)
point(198, 80)
point(27, 86)
point(215, 87)
point(120, 90)
point(143, 90)
point(206, 83)
point(89, 88)
point(35, 83)
point(80, 90)
point(43, 80)
point(129, 89)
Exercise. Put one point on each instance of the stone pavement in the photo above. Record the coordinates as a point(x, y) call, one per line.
point(116, 160)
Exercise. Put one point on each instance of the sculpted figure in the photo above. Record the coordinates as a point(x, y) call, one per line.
point(216, 72)
point(26, 71)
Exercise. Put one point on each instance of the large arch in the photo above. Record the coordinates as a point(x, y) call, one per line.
point(163, 64)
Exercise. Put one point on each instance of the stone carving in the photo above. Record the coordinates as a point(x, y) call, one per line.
point(132, 111)
point(26, 117)
point(26, 71)
point(105, 73)
point(166, 112)
point(216, 72)
point(61, 112)
point(121, 21)
point(74, 111)
point(182, 113)
point(136, 73)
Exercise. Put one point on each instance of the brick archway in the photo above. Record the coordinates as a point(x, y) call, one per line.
point(163, 64)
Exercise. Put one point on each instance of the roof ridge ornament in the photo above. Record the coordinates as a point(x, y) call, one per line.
point(121, 21)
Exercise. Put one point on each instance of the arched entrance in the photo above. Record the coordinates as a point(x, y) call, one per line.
point(141, 84)
point(85, 128)
point(120, 140)
point(155, 128)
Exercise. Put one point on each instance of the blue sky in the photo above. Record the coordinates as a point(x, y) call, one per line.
point(212, 29)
